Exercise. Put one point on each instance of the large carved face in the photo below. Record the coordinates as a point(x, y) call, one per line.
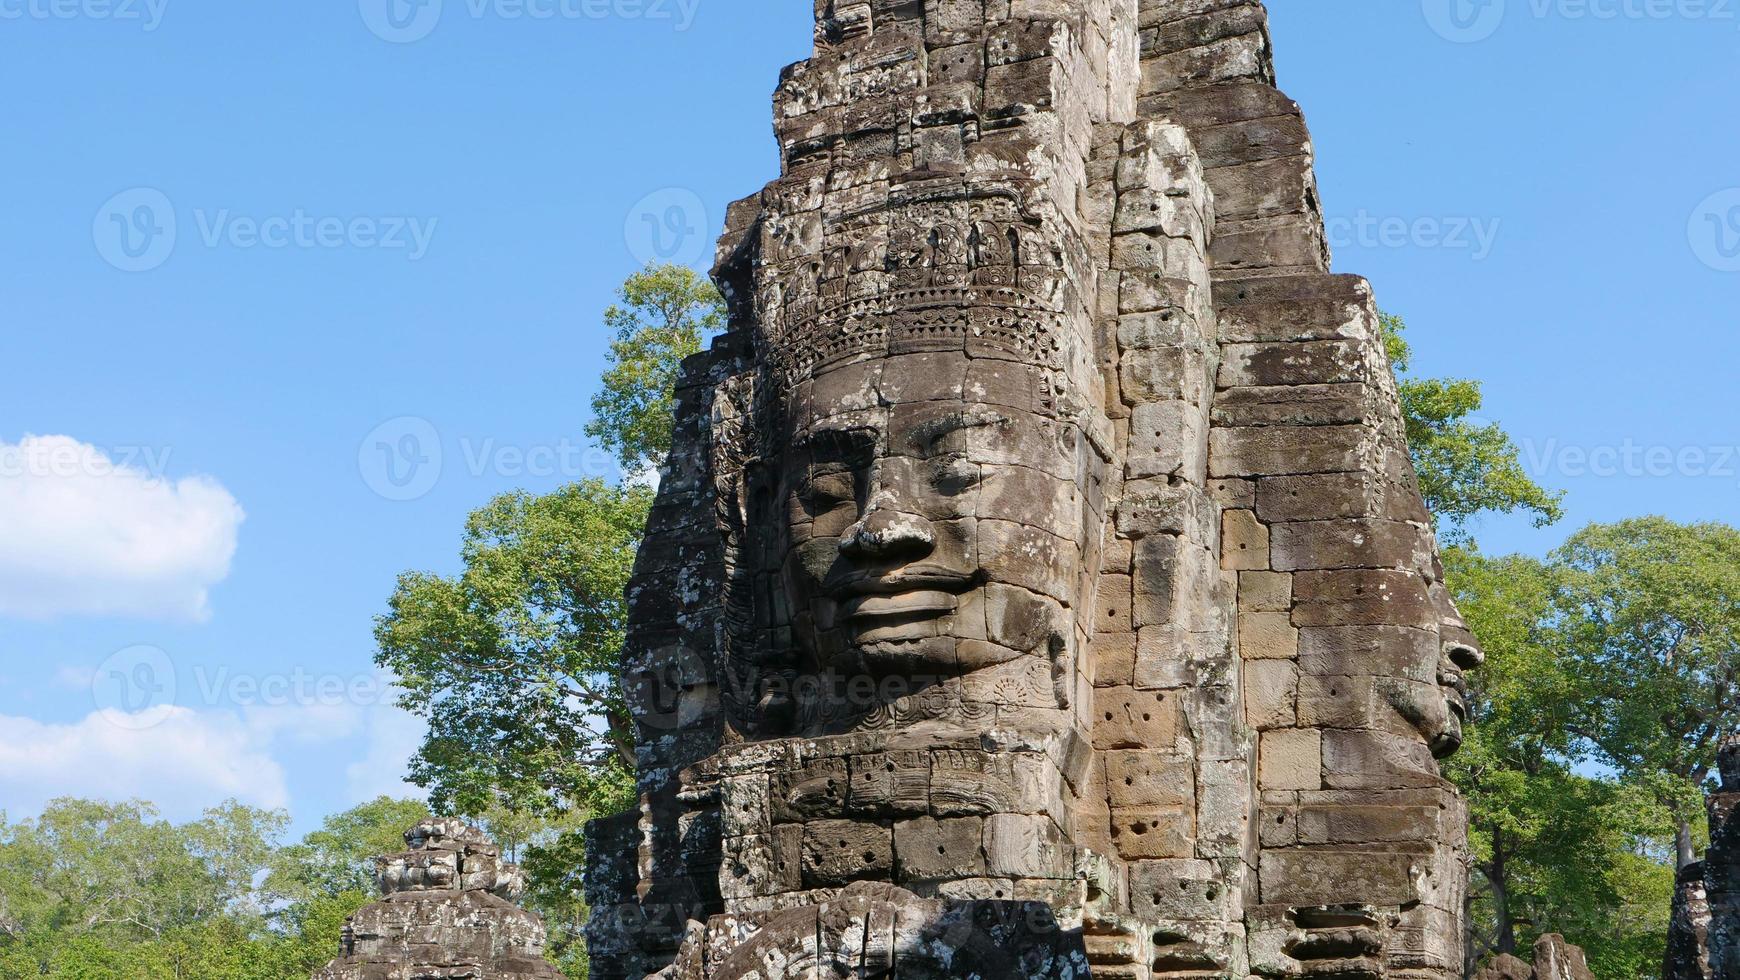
point(936, 516)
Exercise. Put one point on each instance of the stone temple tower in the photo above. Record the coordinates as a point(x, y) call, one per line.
point(446, 912)
point(1039, 586)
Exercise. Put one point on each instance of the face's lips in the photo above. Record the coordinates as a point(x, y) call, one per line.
point(907, 605)
point(903, 608)
point(908, 581)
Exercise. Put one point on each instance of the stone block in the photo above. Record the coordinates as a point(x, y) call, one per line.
point(1145, 778)
point(1147, 833)
point(1291, 758)
point(939, 849)
point(1362, 598)
point(1183, 890)
point(837, 852)
point(1261, 591)
point(1114, 659)
point(1127, 718)
point(1271, 693)
point(1244, 541)
point(1018, 846)
point(1334, 544)
point(1268, 636)
point(1328, 876)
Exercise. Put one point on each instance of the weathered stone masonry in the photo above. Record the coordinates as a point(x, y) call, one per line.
point(1704, 942)
point(1039, 583)
point(446, 910)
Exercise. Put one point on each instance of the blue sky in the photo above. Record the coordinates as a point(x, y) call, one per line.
point(395, 249)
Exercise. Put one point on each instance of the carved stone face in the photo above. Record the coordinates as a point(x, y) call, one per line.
point(935, 517)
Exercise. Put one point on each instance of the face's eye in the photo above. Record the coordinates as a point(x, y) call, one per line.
point(825, 491)
point(954, 474)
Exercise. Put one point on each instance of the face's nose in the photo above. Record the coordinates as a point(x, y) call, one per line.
point(887, 534)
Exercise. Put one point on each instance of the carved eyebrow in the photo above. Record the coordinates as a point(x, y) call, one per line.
point(836, 444)
point(927, 434)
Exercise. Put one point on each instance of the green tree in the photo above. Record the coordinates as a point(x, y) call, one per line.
point(1651, 613)
point(339, 858)
point(328, 876)
point(667, 312)
point(1555, 849)
point(1466, 468)
point(514, 661)
point(110, 891)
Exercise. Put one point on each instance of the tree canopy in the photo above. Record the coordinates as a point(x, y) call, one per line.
point(667, 312)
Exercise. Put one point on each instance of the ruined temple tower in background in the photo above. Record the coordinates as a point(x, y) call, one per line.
point(1039, 586)
point(1704, 941)
point(448, 911)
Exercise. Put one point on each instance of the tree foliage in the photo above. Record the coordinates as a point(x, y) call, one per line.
point(107, 891)
point(666, 314)
point(514, 661)
point(1555, 848)
point(1651, 615)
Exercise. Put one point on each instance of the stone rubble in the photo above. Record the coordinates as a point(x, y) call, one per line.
point(447, 912)
point(1555, 959)
point(1039, 573)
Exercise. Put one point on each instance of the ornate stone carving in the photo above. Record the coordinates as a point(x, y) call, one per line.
point(1041, 532)
point(447, 910)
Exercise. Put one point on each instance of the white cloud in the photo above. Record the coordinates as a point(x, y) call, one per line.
point(187, 761)
point(394, 736)
point(83, 534)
